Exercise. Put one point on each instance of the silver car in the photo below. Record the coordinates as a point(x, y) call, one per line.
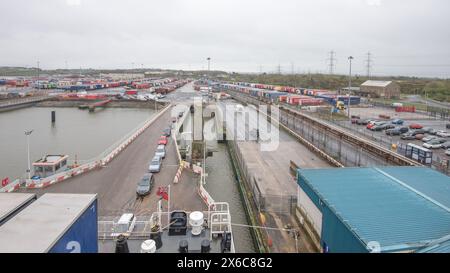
point(161, 151)
point(155, 164)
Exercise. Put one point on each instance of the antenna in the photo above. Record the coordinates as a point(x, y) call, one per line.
point(368, 63)
point(279, 69)
point(331, 60)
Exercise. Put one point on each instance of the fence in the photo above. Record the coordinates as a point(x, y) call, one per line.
point(276, 203)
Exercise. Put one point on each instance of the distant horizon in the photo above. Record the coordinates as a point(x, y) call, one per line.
point(230, 72)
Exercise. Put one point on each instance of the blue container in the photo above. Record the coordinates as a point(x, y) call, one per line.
point(82, 236)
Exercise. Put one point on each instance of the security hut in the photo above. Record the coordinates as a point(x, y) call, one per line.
point(385, 209)
point(380, 89)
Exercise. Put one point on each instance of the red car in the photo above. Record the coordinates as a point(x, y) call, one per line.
point(162, 140)
point(415, 126)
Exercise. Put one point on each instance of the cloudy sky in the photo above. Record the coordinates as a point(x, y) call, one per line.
point(405, 37)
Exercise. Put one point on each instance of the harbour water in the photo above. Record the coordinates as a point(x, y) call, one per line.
point(77, 133)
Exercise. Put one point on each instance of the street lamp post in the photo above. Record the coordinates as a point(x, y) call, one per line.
point(28, 133)
point(38, 75)
point(350, 58)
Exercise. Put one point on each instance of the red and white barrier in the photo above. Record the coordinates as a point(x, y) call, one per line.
point(88, 166)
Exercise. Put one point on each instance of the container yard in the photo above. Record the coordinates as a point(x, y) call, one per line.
point(228, 135)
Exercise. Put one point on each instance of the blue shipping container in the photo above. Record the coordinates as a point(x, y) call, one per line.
point(82, 235)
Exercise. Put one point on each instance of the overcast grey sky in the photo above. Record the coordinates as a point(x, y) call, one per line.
point(406, 37)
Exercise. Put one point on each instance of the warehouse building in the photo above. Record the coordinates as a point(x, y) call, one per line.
point(385, 209)
point(380, 89)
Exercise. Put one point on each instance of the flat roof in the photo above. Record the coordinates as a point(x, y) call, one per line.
point(39, 226)
point(11, 201)
point(399, 207)
point(50, 160)
point(376, 83)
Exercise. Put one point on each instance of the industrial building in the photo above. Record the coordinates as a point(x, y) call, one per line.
point(380, 89)
point(384, 209)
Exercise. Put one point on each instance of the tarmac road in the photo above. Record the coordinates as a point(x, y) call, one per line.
point(116, 183)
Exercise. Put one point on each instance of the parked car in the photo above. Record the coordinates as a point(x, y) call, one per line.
point(418, 131)
point(419, 136)
point(415, 126)
point(447, 126)
point(442, 133)
point(427, 129)
point(362, 121)
point(433, 144)
point(180, 114)
point(393, 132)
point(145, 186)
point(167, 132)
point(432, 131)
point(161, 151)
point(125, 225)
point(375, 123)
point(408, 136)
point(403, 129)
point(388, 126)
point(447, 152)
point(155, 164)
point(397, 121)
point(162, 140)
point(446, 145)
point(429, 138)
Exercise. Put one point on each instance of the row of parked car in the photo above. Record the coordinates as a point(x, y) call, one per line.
point(145, 186)
point(433, 140)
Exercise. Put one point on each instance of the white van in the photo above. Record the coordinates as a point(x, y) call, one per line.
point(125, 225)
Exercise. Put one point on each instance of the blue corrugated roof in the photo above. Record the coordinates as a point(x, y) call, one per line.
point(439, 248)
point(399, 207)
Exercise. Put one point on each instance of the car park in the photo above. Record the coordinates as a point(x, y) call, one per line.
point(160, 151)
point(145, 186)
point(162, 140)
point(155, 164)
point(433, 144)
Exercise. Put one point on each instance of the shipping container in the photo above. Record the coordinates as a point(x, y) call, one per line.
point(12, 203)
point(54, 223)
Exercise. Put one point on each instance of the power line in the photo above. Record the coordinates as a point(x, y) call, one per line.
point(279, 69)
point(331, 63)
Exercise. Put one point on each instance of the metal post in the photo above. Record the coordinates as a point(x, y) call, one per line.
point(168, 204)
point(350, 58)
point(38, 75)
point(28, 133)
